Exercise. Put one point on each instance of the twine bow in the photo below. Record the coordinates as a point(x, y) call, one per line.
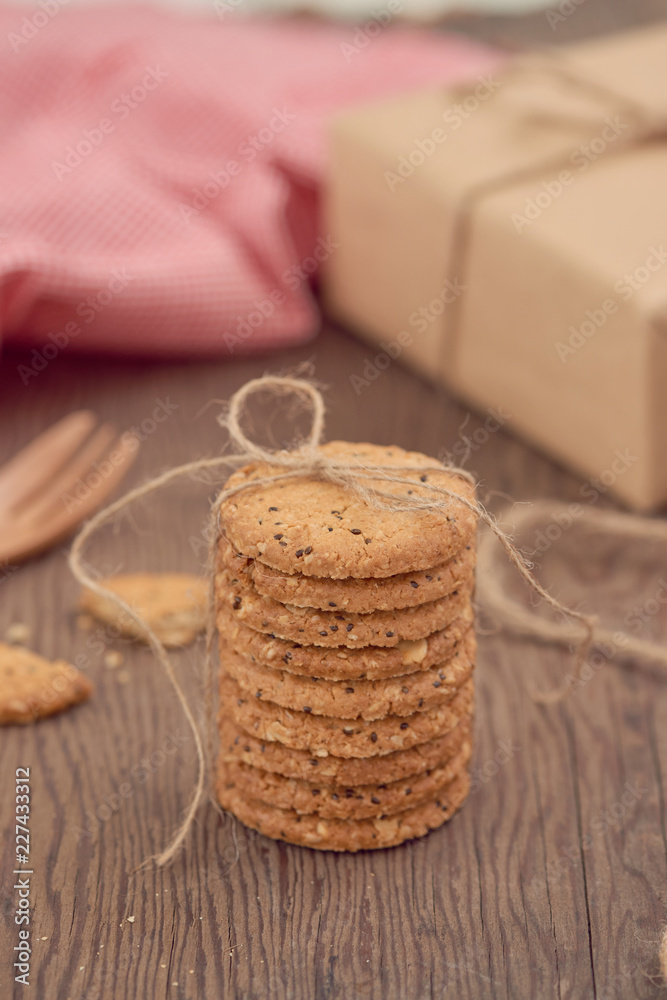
point(306, 460)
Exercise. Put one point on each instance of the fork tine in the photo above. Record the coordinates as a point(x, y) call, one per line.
point(29, 538)
point(52, 493)
point(35, 464)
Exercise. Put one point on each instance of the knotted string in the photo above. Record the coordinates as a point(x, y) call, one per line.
point(498, 602)
point(306, 460)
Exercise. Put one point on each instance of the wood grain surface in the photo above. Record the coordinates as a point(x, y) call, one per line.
point(549, 884)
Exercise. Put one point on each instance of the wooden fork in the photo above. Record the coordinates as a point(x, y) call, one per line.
point(57, 481)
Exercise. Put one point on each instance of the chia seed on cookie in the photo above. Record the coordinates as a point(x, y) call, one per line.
point(333, 628)
point(238, 745)
point(327, 531)
point(322, 734)
point(350, 802)
point(350, 594)
point(365, 699)
point(372, 662)
point(342, 834)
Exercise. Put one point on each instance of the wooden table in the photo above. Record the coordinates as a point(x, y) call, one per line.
point(549, 883)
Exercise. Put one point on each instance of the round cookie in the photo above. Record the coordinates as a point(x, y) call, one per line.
point(343, 834)
point(237, 745)
point(345, 802)
point(372, 662)
point(329, 628)
point(362, 700)
point(322, 735)
point(319, 528)
point(362, 596)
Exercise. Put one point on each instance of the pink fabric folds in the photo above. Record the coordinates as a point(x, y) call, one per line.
point(159, 174)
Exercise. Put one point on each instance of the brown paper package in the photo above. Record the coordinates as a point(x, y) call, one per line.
point(509, 238)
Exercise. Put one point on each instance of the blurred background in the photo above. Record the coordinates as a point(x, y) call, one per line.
point(471, 185)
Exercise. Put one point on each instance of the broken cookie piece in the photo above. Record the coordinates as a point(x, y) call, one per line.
point(33, 688)
point(173, 604)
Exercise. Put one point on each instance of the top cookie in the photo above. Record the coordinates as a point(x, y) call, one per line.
point(318, 528)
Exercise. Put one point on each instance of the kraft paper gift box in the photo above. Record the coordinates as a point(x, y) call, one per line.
point(509, 239)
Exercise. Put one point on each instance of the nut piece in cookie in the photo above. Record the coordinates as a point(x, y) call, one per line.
point(328, 628)
point(361, 699)
point(336, 834)
point(33, 688)
point(174, 605)
point(363, 596)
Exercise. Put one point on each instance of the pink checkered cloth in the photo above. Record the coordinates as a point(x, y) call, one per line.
point(159, 173)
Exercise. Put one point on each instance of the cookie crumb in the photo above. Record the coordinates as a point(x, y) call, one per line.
point(18, 634)
point(113, 659)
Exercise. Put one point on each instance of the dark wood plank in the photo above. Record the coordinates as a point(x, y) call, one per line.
point(506, 901)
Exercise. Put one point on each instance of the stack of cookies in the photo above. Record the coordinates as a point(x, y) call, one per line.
point(347, 649)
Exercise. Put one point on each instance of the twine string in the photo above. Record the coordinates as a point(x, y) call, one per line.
point(306, 460)
point(500, 604)
point(550, 64)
